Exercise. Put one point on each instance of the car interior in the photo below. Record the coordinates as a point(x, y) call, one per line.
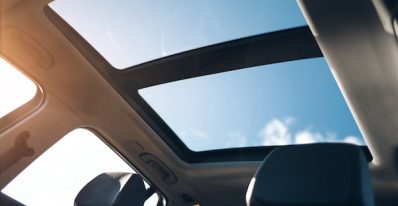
point(79, 88)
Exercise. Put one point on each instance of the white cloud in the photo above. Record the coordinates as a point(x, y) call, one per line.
point(288, 120)
point(305, 137)
point(276, 132)
point(353, 140)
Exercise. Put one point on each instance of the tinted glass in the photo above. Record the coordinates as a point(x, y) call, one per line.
point(129, 32)
point(286, 103)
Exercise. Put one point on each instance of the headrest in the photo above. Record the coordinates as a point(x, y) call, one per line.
point(113, 189)
point(313, 174)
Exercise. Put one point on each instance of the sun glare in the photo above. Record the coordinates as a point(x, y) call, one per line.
point(15, 88)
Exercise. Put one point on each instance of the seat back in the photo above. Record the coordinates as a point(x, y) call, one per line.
point(314, 174)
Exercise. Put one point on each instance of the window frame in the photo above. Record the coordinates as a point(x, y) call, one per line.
point(274, 47)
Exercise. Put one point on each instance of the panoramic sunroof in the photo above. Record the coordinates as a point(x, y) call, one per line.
point(292, 102)
point(128, 33)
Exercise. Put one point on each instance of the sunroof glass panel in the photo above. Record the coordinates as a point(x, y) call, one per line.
point(293, 102)
point(128, 33)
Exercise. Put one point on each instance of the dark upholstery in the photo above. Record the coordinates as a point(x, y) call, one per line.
point(311, 175)
point(122, 189)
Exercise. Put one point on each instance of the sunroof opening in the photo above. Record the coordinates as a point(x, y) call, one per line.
point(294, 102)
point(128, 33)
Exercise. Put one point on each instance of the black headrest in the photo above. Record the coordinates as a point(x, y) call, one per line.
point(113, 189)
point(313, 174)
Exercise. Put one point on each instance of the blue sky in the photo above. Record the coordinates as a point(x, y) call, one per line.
point(294, 102)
